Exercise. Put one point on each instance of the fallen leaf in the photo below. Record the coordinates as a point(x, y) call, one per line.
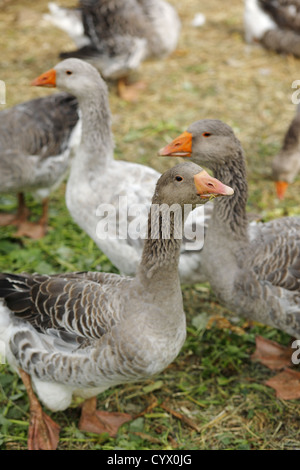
point(286, 384)
point(271, 354)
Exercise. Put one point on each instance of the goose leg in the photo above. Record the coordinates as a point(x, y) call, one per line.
point(99, 422)
point(18, 218)
point(43, 433)
point(129, 92)
point(34, 230)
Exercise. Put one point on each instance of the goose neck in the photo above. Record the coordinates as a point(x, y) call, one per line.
point(230, 212)
point(161, 251)
point(96, 139)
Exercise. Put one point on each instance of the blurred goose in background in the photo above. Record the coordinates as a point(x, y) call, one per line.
point(70, 21)
point(82, 333)
point(37, 138)
point(286, 164)
point(94, 186)
point(275, 24)
point(256, 273)
point(118, 35)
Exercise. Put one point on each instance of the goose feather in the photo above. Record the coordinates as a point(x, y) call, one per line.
point(94, 185)
point(121, 34)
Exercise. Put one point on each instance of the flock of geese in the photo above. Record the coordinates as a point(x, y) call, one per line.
point(83, 332)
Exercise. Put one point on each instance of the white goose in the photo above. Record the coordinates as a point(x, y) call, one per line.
point(81, 333)
point(275, 24)
point(37, 139)
point(118, 35)
point(92, 185)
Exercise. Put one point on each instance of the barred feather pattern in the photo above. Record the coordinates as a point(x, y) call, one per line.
point(77, 302)
point(266, 285)
point(91, 329)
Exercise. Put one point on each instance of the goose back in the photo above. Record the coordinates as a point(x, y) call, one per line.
point(36, 140)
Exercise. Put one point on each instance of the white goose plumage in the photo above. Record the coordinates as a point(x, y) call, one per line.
point(94, 183)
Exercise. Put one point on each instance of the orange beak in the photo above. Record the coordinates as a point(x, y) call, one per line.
point(207, 186)
point(47, 79)
point(281, 187)
point(179, 147)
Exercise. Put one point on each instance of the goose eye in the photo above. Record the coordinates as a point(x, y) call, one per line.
point(68, 72)
point(178, 178)
point(206, 134)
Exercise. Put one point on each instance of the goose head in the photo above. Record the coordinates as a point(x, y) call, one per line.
point(73, 75)
point(188, 183)
point(209, 141)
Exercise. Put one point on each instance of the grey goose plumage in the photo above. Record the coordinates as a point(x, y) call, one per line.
point(37, 139)
point(81, 333)
point(255, 273)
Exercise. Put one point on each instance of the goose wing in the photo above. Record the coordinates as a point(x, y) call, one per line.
point(76, 303)
point(275, 254)
point(40, 127)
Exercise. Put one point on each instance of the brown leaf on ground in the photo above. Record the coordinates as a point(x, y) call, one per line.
point(271, 354)
point(286, 384)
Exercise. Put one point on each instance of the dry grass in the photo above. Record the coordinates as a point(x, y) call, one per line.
point(213, 74)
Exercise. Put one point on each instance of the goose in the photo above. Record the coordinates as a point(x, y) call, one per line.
point(118, 35)
point(286, 164)
point(92, 186)
point(275, 24)
point(82, 333)
point(68, 20)
point(37, 139)
point(255, 273)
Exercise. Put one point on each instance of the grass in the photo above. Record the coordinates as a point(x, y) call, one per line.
point(213, 396)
